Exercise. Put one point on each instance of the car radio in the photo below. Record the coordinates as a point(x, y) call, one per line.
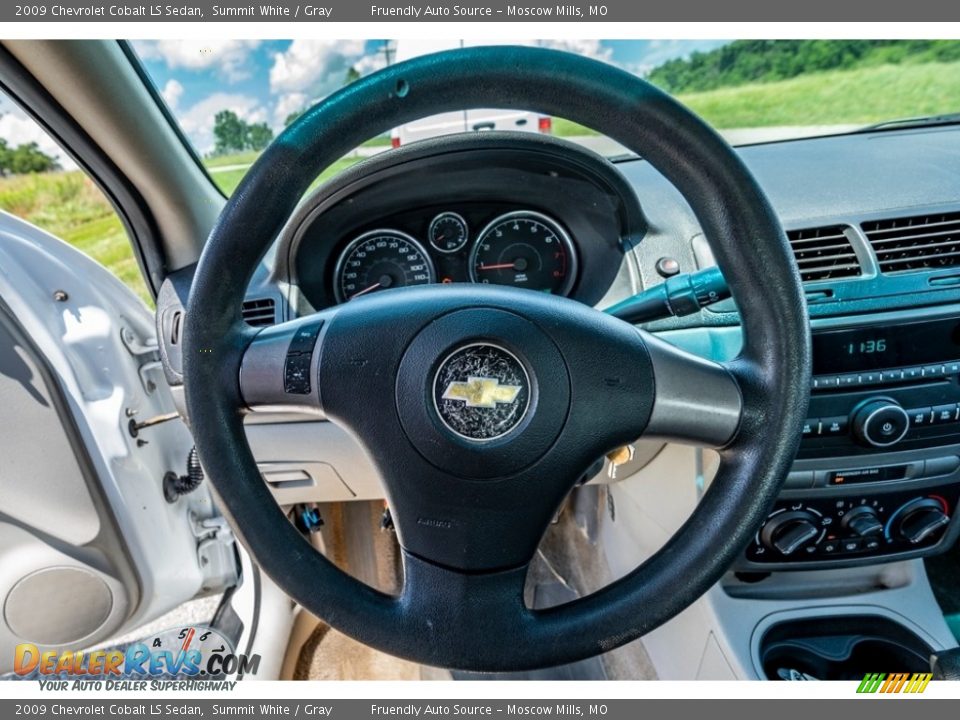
point(877, 475)
point(875, 388)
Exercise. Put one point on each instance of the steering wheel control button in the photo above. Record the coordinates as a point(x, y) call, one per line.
point(880, 423)
point(305, 338)
point(296, 374)
point(296, 366)
point(481, 392)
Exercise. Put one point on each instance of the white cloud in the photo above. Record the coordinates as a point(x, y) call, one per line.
point(287, 105)
point(314, 67)
point(171, 93)
point(197, 121)
point(229, 58)
point(588, 48)
point(17, 128)
point(370, 63)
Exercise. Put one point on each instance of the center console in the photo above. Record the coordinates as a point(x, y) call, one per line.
point(877, 476)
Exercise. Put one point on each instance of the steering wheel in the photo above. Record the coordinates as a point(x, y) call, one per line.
point(482, 407)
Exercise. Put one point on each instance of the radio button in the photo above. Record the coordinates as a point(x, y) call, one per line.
point(833, 425)
point(933, 371)
point(870, 378)
point(944, 414)
point(913, 373)
point(920, 416)
point(824, 381)
point(811, 427)
point(952, 368)
point(849, 380)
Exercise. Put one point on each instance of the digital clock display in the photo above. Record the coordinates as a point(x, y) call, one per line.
point(867, 347)
point(890, 346)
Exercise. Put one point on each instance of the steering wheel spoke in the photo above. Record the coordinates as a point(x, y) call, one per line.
point(696, 401)
point(280, 368)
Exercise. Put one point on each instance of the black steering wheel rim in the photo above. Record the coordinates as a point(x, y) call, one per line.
point(456, 619)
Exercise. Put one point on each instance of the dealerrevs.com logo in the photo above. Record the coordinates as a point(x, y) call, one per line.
point(185, 658)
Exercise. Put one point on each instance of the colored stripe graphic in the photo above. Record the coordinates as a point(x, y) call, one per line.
point(871, 682)
point(894, 683)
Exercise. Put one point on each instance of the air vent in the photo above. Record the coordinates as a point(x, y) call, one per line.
point(823, 253)
point(926, 242)
point(259, 312)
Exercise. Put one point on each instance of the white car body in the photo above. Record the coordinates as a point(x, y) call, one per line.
point(460, 121)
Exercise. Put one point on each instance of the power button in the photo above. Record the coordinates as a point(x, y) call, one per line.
point(881, 423)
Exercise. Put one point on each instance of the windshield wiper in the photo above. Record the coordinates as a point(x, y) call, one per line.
point(926, 121)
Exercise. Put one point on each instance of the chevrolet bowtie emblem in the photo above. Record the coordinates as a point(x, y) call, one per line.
point(481, 392)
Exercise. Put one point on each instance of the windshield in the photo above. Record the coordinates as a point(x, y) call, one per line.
point(232, 97)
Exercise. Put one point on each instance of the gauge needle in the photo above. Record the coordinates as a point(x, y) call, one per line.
point(365, 290)
point(501, 266)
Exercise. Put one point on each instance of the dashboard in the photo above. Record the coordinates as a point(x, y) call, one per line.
point(874, 223)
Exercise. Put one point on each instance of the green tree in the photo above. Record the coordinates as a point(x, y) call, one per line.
point(750, 61)
point(25, 158)
point(293, 117)
point(352, 75)
point(258, 136)
point(4, 157)
point(230, 132)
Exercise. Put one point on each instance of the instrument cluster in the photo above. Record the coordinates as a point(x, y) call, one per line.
point(520, 248)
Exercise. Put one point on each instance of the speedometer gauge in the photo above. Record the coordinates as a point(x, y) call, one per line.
point(378, 260)
point(525, 249)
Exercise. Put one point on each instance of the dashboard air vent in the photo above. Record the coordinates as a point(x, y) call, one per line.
point(823, 253)
point(259, 312)
point(925, 242)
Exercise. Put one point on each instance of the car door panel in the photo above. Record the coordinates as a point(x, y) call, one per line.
point(89, 546)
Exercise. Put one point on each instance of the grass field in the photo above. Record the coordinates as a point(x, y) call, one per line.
point(228, 180)
point(865, 95)
point(69, 206)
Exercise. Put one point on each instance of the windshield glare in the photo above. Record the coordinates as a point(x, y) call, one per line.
point(232, 97)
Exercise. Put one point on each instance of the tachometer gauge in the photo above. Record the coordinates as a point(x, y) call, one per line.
point(448, 232)
point(378, 260)
point(525, 249)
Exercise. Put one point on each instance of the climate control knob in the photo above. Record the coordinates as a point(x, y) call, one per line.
point(921, 518)
point(880, 423)
point(863, 522)
point(789, 531)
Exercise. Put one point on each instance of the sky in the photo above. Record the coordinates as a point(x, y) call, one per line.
point(267, 80)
